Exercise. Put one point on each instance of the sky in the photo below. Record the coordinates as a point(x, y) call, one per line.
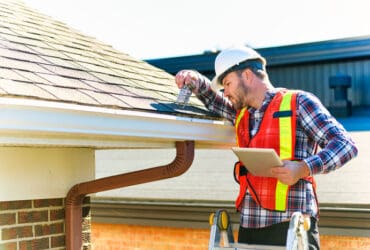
point(150, 29)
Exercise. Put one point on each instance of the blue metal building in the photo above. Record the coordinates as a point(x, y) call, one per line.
point(307, 66)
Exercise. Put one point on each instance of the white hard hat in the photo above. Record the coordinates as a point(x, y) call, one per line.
point(233, 56)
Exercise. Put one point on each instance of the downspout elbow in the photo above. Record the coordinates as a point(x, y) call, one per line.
point(181, 163)
point(183, 160)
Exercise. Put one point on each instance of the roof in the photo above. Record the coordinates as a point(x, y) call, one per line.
point(42, 58)
point(338, 49)
point(48, 68)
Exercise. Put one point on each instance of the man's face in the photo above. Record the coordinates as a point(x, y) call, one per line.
point(235, 90)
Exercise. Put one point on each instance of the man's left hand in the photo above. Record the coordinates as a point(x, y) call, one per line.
point(291, 172)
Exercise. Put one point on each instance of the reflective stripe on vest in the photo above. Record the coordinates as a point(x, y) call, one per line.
point(285, 135)
point(286, 148)
point(240, 116)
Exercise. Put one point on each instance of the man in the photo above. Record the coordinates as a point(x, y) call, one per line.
point(294, 123)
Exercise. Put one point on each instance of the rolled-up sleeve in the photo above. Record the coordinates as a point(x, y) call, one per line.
point(215, 101)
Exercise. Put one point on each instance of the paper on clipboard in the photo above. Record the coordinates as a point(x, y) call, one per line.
point(258, 161)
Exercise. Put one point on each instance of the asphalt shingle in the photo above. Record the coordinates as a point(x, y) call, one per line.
point(69, 95)
point(16, 88)
point(11, 75)
point(45, 59)
point(32, 77)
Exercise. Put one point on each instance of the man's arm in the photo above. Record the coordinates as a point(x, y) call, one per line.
point(201, 86)
point(336, 145)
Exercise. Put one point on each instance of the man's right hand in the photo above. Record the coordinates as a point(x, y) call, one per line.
point(188, 77)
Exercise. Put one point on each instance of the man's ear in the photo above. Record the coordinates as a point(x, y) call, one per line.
point(247, 75)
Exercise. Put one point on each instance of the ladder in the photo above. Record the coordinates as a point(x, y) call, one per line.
point(222, 238)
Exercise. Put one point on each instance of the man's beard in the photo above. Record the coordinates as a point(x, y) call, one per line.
point(240, 95)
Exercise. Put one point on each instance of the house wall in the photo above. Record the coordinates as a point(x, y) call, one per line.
point(38, 224)
point(162, 224)
point(113, 237)
point(32, 224)
point(210, 176)
point(349, 184)
point(210, 179)
point(214, 165)
point(39, 173)
point(147, 237)
point(33, 183)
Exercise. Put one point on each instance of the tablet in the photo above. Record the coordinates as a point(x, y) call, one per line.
point(258, 161)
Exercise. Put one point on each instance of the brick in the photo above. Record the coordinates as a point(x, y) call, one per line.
point(86, 247)
point(7, 219)
point(36, 244)
point(344, 242)
point(86, 225)
point(58, 241)
point(86, 237)
point(86, 211)
point(57, 214)
point(16, 232)
point(8, 246)
point(48, 203)
point(32, 216)
point(86, 200)
point(12, 205)
point(119, 236)
point(42, 230)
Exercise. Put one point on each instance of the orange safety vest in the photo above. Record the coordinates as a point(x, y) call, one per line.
point(277, 131)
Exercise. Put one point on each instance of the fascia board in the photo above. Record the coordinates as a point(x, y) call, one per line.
point(26, 122)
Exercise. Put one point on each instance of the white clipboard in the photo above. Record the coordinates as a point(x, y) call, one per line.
point(258, 161)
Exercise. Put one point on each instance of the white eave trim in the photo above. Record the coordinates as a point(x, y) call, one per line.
point(26, 122)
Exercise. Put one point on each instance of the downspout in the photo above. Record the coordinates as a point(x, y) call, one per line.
point(181, 163)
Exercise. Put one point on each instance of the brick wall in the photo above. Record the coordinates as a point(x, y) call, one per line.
point(330, 242)
point(37, 224)
point(116, 236)
point(86, 224)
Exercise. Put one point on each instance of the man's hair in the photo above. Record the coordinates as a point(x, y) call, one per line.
point(255, 65)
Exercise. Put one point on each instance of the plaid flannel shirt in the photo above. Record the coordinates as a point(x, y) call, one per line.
point(315, 127)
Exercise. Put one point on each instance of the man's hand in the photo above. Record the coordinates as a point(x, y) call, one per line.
point(188, 77)
point(291, 172)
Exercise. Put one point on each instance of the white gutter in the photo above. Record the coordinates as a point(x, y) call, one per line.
point(26, 122)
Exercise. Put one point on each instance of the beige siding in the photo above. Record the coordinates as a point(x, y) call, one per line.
point(349, 184)
point(210, 177)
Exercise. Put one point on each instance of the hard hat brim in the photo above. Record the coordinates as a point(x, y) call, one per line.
point(216, 84)
point(234, 57)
